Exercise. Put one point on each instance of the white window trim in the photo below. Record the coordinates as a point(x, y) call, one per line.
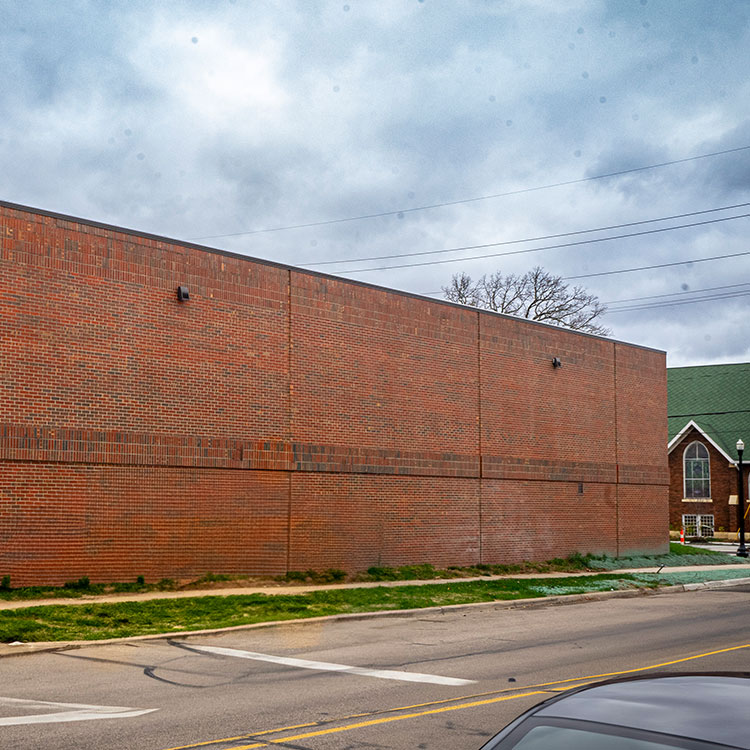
point(699, 521)
point(674, 442)
point(708, 499)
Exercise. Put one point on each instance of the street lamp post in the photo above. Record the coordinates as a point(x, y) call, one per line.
point(741, 551)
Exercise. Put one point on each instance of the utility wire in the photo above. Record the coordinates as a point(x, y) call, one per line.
point(546, 247)
point(674, 303)
point(646, 268)
point(657, 265)
point(677, 294)
point(527, 239)
point(725, 432)
point(709, 413)
point(656, 305)
point(445, 204)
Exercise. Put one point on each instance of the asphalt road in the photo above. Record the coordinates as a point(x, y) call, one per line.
point(437, 680)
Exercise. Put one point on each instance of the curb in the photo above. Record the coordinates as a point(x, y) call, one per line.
point(715, 584)
point(23, 649)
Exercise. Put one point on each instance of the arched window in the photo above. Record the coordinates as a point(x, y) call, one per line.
point(696, 471)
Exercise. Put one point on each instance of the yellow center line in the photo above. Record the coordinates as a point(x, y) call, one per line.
point(590, 677)
point(256, 734)
point(386, 719)
point(534, 687)
point(563, 688)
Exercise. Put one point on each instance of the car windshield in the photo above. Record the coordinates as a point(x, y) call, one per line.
point(593, 737)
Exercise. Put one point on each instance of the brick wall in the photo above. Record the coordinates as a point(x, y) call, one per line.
point(539, 422)
point(59, 522)
point(354, 521)
point(287, 420)
point(391, 377)
point(641, 413)
point(559, 517)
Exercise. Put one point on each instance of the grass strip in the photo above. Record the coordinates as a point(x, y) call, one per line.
point(96, 621)
point(693, 576)
point(679, 555)
point(124, 619)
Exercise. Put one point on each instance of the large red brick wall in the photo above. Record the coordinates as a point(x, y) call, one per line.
point(283, 420)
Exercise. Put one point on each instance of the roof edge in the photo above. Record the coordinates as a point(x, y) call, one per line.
point(240, 256)
point(714, 364)
point(692, 423)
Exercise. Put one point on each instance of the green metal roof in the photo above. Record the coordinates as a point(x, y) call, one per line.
point(716, 398)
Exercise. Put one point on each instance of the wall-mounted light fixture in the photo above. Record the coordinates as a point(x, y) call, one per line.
point(556, 362)
point(183, 294)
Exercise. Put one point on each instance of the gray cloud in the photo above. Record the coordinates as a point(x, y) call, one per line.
point(190, 120)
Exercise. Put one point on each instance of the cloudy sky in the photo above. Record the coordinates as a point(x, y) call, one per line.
point(309, 132)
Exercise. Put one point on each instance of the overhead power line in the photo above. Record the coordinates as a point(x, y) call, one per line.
point(445, 204)
point(677, 294)
point(656, 305)
point(636, 269)
point(547, 247)
point(709, 413)
point(528, 239)
point(674, 303)
point(656, 265)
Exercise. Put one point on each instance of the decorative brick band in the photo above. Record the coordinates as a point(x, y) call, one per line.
point(643, 474)
point(513, 467)
point(66, 445)
point(366, 460)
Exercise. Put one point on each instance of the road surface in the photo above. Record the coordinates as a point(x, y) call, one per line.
point(436, 680)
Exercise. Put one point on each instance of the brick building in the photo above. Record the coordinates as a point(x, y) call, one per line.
point(709, 410)
point(280, 419)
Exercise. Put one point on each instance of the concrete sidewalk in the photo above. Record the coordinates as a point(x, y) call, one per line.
point(27, 648)
point(727, 547)
point(279, 590)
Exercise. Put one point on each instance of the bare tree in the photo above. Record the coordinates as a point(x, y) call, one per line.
point(537, 295)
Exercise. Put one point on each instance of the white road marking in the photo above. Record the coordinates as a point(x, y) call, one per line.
point(76, 712)
point(383, 674)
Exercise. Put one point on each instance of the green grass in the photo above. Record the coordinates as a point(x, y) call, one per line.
point(80, 588)
point(675, 548)
point(94, 621)
point(123, 619)
point(126, 619)
point(425, 572)
point(693, 576)
point(679, 555)
point(332, 575)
